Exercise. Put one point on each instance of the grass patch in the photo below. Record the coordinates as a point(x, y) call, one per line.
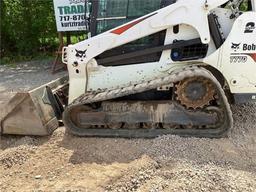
point(11, 61)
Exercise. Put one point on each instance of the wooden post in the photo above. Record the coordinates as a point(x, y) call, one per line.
point(58, 65)
point(68, 38)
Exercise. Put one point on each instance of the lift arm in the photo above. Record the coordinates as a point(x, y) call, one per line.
point(190, 12)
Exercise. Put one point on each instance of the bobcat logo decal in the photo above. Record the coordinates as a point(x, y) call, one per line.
point(81, 54)
point(235, 46)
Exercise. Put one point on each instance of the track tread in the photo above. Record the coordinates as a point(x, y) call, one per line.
point(178, 75)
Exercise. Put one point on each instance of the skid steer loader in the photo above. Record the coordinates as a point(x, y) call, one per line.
point(173, 70)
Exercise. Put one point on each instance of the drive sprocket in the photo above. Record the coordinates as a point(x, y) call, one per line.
point(195, 92)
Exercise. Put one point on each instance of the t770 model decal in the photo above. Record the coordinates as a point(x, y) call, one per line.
point(241, 57)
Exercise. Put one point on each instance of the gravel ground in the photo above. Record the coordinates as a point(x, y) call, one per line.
point(24, 77)
point(62, 162)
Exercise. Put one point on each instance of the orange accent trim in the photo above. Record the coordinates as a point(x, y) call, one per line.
point(124, 28)
point(253, 56)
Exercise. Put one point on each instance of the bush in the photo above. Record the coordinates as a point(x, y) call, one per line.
point(27, 27)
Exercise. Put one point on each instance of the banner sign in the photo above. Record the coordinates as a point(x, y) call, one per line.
point(70, 15)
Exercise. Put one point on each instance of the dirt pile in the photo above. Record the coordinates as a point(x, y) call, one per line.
point(18, 152)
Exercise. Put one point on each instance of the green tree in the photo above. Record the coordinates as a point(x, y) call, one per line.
point(27, 26)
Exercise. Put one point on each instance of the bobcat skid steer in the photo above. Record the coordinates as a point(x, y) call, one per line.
point(205, 57)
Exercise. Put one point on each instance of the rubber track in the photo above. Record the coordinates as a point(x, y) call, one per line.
point(175, 76)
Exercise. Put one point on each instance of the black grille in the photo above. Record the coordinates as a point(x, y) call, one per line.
point(191, 52)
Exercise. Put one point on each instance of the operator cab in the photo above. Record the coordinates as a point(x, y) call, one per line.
point(107, 14)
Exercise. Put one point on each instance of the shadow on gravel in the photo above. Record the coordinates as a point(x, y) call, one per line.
point(164, 150)
point(238, 151)
point(104, 150)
